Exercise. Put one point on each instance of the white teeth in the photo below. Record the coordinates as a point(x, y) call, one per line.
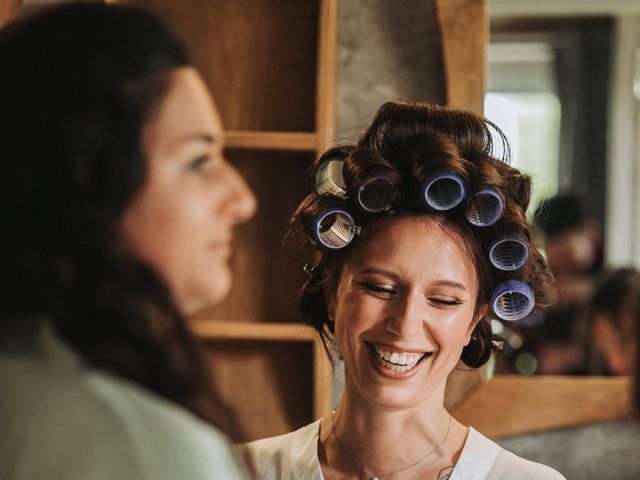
point(398, 362)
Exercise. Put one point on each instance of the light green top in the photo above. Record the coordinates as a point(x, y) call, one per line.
point(60, 419)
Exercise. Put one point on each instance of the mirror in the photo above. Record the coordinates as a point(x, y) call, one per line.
point(564, 86)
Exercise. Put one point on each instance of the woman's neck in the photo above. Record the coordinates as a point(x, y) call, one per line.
point(360, 437)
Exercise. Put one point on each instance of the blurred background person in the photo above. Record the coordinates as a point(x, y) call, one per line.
point(612, 315)
point(572, 242)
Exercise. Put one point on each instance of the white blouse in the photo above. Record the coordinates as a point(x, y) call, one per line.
point(294, 456)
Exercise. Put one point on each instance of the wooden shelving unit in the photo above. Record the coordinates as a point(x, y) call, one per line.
point(268, 335)
point(287, 141)
point(271, 68)
point(228, 330)
point(8, 9)
point(270, 65)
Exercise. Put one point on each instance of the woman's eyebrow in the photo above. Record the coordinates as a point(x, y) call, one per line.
point(380, 271)
point(450, 283)
point(208, 138)
point(438, 283)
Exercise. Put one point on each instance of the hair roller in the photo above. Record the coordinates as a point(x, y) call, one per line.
point(377, 194)
point(512, 300)
point(509, 252)
point(444, 164)
point(485, 207)
point(334, 228)
point(329, 178)
point(444, 191)
point(372, 182)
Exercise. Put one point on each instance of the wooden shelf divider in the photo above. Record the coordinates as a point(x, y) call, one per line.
point(211, 330)
point(290, 141)
point(231, 330)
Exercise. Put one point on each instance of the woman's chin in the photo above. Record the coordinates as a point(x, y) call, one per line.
point(206, 296)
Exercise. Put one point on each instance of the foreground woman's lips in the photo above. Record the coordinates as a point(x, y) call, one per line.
point(222, 243)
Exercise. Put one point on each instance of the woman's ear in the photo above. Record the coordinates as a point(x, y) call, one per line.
point(474, 322)
point(330, 300)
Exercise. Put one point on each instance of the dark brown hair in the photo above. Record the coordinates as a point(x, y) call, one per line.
point(411, 141)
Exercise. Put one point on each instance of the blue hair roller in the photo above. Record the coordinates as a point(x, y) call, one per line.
point(512, 300)
point(334, 228)
point(444, 191)
point(329, 178)
point(377, 194)
point(485, 207)
point(509, 253)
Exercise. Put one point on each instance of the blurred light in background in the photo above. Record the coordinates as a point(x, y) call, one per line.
point(522, 101)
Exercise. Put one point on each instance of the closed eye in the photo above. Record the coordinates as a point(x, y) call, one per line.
point(444, 302)
point(379, 289)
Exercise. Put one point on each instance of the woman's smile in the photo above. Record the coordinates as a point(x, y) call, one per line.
point(393, 363)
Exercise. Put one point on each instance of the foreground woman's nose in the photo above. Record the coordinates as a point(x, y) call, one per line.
point(241, 204)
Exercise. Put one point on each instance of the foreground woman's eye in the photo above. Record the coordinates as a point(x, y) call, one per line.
point(200, 163)
point(379, 289)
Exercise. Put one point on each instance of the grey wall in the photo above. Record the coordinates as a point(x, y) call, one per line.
point(387, 50)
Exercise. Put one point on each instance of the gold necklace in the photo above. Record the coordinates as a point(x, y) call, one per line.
point(388, 474)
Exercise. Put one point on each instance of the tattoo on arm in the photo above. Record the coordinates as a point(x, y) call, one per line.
point(445, 473)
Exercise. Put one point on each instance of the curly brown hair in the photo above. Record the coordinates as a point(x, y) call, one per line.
point(408, 143)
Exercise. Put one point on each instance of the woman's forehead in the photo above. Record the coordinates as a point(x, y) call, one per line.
point(420, 242)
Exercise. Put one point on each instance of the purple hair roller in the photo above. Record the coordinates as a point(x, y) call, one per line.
point(485, 207)
point(509, 253)
point(444, 191)
point(377, 194)
point(512, 300)
point(334, 228)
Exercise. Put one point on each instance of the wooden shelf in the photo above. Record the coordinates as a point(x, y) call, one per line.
point(230, 330)
point(510, 405)
point(270, 66)
point(288, 334)
point(290, 141)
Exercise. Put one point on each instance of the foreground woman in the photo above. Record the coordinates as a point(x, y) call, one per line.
point(416, 237)
point(118, 214)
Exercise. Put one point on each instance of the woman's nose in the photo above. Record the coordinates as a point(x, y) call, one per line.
point(241, 202)
point(407, 318)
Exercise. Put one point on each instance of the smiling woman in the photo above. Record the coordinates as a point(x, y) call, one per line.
point(401, 310)
point(417, 237)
